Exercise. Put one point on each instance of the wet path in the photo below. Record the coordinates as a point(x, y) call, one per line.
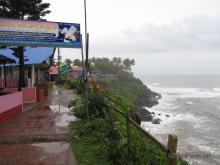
point(37, 136)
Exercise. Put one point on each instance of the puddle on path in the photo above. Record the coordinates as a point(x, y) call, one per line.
point(64, 120)
point(59, 108)
point(54, 147)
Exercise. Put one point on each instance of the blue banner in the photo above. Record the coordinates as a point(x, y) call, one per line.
point(39, 33)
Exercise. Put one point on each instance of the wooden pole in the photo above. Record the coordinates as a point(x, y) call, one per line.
point(172, 148)
point(117, 105)
point(128, 132)
point(5, 76)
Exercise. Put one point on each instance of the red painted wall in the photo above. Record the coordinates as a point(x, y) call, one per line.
point(4, 116)
point(40, 95)
point(29, 95)
point(10, 105)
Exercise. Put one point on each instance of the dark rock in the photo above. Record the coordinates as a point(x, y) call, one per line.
point(159, 114)
point(148, 118)
point(143, 114)
point(148, 99)
point(156, 121)
point(134, 117)
point(167, 115)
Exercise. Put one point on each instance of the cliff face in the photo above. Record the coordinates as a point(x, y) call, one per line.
point(147, 98)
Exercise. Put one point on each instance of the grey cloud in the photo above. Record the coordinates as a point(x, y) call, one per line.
point(195, 33)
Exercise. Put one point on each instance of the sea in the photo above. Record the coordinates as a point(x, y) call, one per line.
point(190, 109)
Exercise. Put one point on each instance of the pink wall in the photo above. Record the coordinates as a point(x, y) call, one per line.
point(10, 101)
point(29, 95)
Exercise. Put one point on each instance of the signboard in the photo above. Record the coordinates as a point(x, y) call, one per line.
point(39, 33)
point(64, 69)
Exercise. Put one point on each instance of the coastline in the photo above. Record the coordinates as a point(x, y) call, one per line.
point(147, 98)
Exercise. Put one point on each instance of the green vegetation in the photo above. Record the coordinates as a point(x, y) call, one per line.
point(103, 138)
point(124, 85)
point(68, 82)
point(106, 66)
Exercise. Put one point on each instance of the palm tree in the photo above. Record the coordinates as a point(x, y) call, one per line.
point(77, 62)
point(128, 63)
point(68, 61)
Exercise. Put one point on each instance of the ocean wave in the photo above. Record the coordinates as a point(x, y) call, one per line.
point(216, 89)
point(205, 145)
point(174, 93)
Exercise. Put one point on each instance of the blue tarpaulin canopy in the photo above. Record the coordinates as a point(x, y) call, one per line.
point(32, 55)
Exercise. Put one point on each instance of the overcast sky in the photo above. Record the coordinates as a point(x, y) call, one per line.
point(163, 36)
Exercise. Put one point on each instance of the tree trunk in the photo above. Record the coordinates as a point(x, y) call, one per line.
point(21, 82)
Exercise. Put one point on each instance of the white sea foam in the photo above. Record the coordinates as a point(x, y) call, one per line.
point(156, 84)
point(189, 102)
point(216, 89)
point(174, 92)
point(204, 145)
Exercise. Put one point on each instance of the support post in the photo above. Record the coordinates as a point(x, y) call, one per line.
point(5, 76)
point(38, 74)
point(172, 148)
point(116, 113)
point(32, 75)
point(2, 72)
point(128, 131)
point(84, 80)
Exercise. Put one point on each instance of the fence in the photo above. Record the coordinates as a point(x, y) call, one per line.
point(171, 147)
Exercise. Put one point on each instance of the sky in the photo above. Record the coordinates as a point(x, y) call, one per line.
point(165, 37)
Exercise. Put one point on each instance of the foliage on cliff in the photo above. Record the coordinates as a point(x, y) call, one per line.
point(103, 138)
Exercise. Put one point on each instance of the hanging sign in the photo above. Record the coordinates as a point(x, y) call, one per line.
point(64, 69)
point(39, 33)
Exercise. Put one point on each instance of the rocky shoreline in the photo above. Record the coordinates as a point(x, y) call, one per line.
point(147, 99)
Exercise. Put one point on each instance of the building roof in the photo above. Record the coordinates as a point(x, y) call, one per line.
point(33, 55)
point(4, 60)
point(77, 68)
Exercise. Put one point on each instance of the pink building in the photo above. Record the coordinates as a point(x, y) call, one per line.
point(37, 62)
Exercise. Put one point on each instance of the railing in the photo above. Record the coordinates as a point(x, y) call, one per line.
point(10, 82)
point(171, 147)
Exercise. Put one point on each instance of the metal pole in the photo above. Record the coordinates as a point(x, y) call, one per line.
point(87, 41)
point(87, 53)
point(58, 62)
point(58, 58)
point(84, 82)
point(85, 19)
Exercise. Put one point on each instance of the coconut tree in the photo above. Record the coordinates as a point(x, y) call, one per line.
point(68, 61)
point(128, 63)
point(23, 9)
